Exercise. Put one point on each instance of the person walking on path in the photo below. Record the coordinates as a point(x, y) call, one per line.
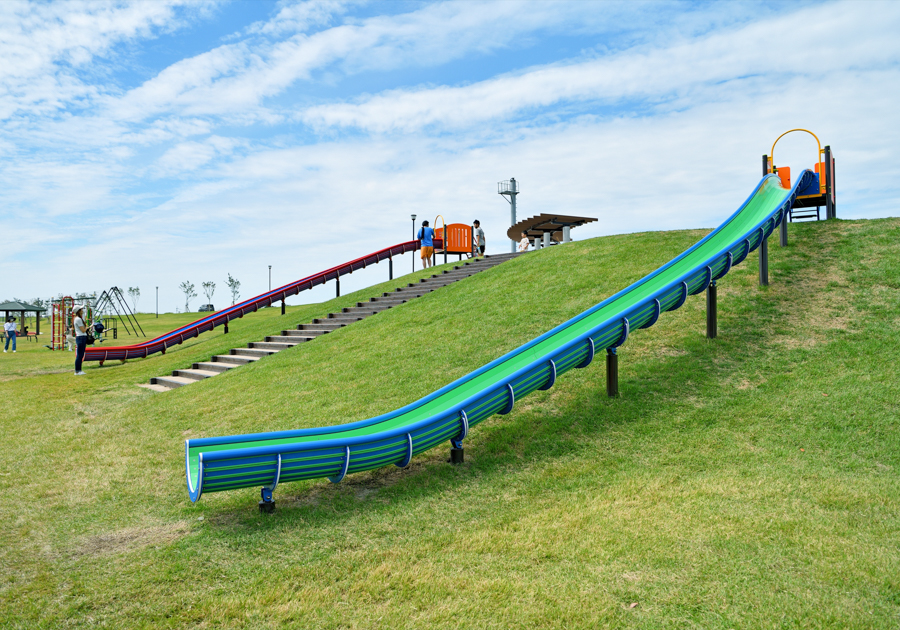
point(426, 235)
point(80, 337)
point(10, 329)
point(478, 238)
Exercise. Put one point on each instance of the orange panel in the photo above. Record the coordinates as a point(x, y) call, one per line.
point(460, 238)
point(820, 169)
point(784, 172)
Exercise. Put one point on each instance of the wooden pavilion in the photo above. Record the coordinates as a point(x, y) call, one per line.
point(19, 307)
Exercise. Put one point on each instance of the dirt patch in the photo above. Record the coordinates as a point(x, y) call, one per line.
point(133, 539)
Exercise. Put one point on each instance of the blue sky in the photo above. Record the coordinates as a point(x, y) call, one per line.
point(144, 144)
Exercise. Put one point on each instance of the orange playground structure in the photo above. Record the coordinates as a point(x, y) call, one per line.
point(820, 192)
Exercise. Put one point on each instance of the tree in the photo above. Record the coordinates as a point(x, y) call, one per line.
point(209, 288)
point(235, 287)
point(134, 293)
point(188, 289)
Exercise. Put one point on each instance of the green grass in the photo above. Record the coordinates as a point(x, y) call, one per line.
point(751, 481)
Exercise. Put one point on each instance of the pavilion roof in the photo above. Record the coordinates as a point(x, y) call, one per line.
point(20, 306)
point(553, 223)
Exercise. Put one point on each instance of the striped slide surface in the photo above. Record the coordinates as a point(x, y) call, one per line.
point(267, 459)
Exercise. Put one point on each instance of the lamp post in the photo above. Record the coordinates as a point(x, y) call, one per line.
point(414, 238)
point(270, 277)
point(157, 302)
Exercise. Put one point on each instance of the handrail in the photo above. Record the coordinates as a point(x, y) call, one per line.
point(194, 329)
point(772, 152)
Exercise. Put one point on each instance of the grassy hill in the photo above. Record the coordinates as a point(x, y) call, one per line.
point(750, 481)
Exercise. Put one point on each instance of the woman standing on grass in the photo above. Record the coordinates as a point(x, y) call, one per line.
point(80, 337)
point(10, 328)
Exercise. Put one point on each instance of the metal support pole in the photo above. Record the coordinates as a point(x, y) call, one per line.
point(782, 231)
point(282, 307)
point(457, 455)
point(226, 328)
point(546, 239)
point(512, 210)
point(612, 373)
point(764, 263)
point(830, 210)
point(765, 165)
point(157, 302)
point(712, 328)
point(390, 268)
point(337, 287)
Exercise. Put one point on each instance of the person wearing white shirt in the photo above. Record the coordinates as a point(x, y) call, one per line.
point(80, 337)
point(10, 329)
point(523, 244)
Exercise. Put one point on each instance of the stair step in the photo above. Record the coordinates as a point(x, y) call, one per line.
point(209, 366)
point(309, 335)
point(196, 375)
point(271, 345)
point(171, 381)
point(252, 352)
point(291, 339)
point(322, 323)
point(234, 359)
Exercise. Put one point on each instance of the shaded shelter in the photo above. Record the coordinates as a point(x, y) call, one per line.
point(536, 227)
point(21, 308)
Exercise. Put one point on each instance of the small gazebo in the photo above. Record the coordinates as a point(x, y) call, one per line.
point(21, 309)
point(556, 225)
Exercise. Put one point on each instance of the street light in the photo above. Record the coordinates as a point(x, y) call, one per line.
point(270, 277)
point(157, 302)
point(414, 238)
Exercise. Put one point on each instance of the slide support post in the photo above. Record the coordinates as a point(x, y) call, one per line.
point(267, 504)
point(226, 328)
point(830, 211)
point(390, 268)
point(612, 373)
point(282, 307)
point(711, 315)
point(337, 287)
point(764, 262)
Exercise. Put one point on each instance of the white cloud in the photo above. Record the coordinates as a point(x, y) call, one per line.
point(43, 43)
point(237, 77)
point(779, 47)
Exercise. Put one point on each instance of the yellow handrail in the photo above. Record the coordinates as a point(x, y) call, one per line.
point(772, 152)
point(444, 225)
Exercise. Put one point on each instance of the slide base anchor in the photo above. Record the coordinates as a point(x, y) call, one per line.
point(457, 455)
point(267, 505)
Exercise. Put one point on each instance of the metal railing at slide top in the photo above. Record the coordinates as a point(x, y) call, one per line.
point(220, 318)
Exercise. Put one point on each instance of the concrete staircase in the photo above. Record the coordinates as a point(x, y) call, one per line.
point(318, 327)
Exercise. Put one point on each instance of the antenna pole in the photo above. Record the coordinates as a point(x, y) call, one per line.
point(510, 188)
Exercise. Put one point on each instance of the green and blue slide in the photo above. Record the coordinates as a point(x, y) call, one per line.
point(267, 459)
